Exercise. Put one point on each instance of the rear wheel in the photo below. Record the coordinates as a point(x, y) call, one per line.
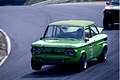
point(83, 62)
point(35, 65)
point(103, 55)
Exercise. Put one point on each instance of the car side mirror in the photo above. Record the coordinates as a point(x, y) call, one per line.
point(108, 3)
point(41, 38)
point(86, 39)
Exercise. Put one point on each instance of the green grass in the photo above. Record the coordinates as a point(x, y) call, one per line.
point(2, 46)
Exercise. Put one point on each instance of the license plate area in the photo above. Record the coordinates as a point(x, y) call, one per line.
point(52, 61)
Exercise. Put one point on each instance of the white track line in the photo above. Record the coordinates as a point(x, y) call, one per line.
point(8, 46)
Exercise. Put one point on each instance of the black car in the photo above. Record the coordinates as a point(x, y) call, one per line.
point(12, 2)
point(111, 14)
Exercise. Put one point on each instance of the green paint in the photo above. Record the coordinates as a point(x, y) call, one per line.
point(54, 48)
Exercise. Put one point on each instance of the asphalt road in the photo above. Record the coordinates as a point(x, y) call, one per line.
point(26, 24)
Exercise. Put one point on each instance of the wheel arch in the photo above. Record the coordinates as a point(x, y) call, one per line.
point(105, 46)
point(83, 52)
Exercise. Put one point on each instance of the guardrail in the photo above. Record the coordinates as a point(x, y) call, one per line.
point(51, 2)
point(45, 2)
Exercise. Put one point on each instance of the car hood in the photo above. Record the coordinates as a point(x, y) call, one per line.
point(62, 43)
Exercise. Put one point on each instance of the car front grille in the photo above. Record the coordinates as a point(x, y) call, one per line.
point(52, 51)
point(52, 61)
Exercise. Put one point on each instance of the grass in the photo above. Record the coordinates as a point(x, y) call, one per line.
point(2, 46)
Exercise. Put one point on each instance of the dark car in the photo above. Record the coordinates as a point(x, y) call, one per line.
point(12, 2)
point(111, 14)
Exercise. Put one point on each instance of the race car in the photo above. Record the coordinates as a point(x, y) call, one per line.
point(111, 14)
point(69, 42)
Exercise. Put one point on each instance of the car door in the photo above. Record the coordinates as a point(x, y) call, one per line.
point(89, 41)
point(94, 35)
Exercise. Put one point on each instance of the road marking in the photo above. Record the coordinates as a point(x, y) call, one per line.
point(8, 46)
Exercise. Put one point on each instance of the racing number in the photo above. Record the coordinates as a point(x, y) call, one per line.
point(91, 51)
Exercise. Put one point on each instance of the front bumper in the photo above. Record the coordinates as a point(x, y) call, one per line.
point(55, 60)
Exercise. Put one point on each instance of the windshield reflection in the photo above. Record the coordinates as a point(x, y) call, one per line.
point(68, 32)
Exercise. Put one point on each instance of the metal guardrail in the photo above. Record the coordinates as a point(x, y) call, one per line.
point(51, 2)
point(60, 1)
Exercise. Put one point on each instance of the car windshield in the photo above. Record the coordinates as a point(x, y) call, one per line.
point(67, 32)
point(115, 2)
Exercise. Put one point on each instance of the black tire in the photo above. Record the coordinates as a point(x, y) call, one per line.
point(35, 65)
point(103, 55)
point(83, 62)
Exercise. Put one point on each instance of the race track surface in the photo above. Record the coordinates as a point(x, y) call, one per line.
point(26, 24)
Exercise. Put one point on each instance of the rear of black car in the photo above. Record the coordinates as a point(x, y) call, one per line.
point(12, 2)
point(111, 14)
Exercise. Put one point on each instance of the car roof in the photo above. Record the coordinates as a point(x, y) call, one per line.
point(82, 23)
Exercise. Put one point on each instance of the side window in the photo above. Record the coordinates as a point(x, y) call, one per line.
point(50, 31)
point(94, 30)
point(87, 33)
point(53, 31)
point(57, 31)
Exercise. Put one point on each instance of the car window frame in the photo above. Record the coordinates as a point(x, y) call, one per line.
point(45, 31)
point(90, 31)
point(93, 30)
point(87, 27)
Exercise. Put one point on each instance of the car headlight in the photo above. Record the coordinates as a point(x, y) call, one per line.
point(70, 52)
point(39, 51)
point(33, 50)
point(36, 50)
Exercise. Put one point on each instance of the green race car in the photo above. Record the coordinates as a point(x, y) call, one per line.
point(69, 42)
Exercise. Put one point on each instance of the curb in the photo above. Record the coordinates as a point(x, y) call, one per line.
point(8, 42)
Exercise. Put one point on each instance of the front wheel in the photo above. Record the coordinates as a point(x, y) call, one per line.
point(103, 55)
point(83, 62)
point(35, 65)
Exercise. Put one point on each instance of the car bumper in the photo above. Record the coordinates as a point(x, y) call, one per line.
point(55, 60)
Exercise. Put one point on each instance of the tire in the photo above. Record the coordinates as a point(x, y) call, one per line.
point(35, 65)
point(83, 62)
point(103, 55)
